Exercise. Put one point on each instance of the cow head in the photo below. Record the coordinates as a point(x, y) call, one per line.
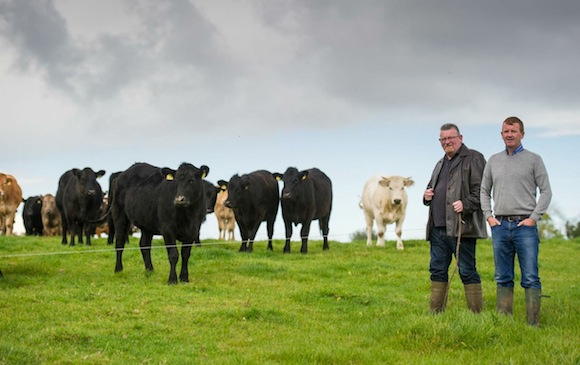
point(395, 186)
point(237, 188)
point(49, 204)
point(189, 183)
point(5, 183)
point(88, 184)
point(211, 193)
point(294, 181)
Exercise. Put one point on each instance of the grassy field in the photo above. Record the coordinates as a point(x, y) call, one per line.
point(349, 305)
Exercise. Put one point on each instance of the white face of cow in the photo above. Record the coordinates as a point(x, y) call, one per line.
point(395, 186)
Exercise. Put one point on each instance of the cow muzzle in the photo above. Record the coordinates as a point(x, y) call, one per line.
point(180, 200)
point(397, 201)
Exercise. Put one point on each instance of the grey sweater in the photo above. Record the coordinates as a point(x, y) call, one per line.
point(513, 182)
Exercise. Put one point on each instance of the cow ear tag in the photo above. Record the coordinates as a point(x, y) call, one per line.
point(223, 187)
point(203, 175)
point(303, 177)
point(169, 177)
point(278, 178)
point(9, 183)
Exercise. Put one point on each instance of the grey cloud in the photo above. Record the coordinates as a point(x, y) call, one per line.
point(391, 54)
point(173, 39)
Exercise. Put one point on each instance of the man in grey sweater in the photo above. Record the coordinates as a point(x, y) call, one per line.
point(513, 177)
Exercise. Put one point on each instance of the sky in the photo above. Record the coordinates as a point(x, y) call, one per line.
point(353, 88)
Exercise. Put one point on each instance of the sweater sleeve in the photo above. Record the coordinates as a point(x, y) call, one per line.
point(543, 183)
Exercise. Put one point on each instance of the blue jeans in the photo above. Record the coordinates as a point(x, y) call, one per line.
point(508, 240)
point(442, 250)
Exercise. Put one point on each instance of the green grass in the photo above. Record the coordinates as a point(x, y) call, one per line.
point(350, 305)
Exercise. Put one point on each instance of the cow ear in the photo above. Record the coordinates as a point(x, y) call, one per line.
point(204, 171)
point(409, 182)
point(101, 173)
point(223, 184)
point(384, 181)
point(168, 173)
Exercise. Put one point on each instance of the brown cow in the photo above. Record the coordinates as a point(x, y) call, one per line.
point(52, 225)
point(10, 198)
point(225, 216)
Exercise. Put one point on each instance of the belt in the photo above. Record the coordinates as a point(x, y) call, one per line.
point(512, 218)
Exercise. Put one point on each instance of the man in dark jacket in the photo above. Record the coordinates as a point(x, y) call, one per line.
point(453, 197)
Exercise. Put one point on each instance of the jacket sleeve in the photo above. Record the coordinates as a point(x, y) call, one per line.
point(471, 202)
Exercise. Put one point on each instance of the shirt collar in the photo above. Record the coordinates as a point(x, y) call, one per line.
point(519, 149)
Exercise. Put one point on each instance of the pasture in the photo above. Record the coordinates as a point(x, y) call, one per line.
point(352, 304)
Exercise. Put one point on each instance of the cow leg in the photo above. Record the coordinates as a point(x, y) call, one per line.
point(323, 222)
point(370, 221)
point(304, 232)
point(399, 231)
point(9, 223)
point(73, 233)
point(252, 234)
point(185, 254)
point(173, 256)
point(270, 229)
point(244, 234)
point(222, 227)
point(381, 227)
point(64, 230)
point(231, 226)
point(145, 245)
point(87, 229)
point(121, 237)
point(288, 226)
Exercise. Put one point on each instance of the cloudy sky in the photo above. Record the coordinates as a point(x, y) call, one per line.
point(354, 88)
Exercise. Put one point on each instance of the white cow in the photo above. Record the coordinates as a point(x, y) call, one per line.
point(384, 200)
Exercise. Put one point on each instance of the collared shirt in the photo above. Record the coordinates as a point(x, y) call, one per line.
point(520, 148)
point(439, 202)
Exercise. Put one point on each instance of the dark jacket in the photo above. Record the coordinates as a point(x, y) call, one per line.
point(464, 183)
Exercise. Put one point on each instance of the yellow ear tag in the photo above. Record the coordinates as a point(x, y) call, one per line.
point(9, 183)
point(278, 178)
point(223, 187)
point(169, 177)
point(304, 177)
point(203, 175)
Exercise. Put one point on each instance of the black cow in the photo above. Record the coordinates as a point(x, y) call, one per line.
point(160, 201)
point(211, 193)
point(32, 216)
point(254, 198)
point(78, 199)
point(306, 196)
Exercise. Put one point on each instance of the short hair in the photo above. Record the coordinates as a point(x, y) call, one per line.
point(515, 120)
point(449, 126)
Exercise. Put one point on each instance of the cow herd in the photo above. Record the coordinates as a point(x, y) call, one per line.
point(174, 204)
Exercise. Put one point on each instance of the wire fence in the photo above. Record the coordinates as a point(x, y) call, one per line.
point(88, 249)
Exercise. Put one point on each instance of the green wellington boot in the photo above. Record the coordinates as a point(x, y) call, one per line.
point(505, 300)
point(438, 296)
point(533, 300)
point(474, 297)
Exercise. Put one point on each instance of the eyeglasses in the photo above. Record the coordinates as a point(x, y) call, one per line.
point(447, 139)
